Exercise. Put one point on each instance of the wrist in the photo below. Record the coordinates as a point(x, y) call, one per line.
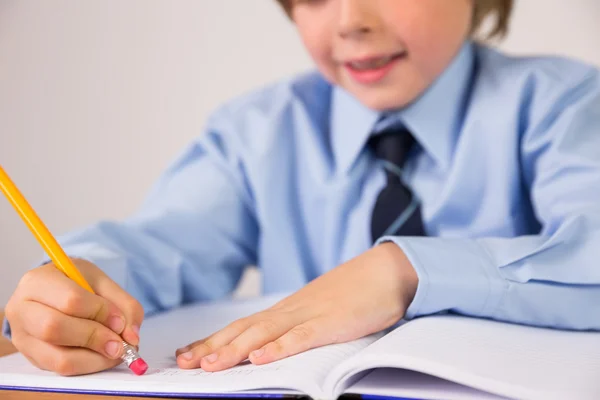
point(403, 268)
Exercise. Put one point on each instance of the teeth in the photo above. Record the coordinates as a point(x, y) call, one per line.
point(371, 64)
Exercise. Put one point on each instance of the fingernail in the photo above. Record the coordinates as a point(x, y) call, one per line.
point(112, 348)
point(258, 353)
point(116, 323)
point(136, 330)
point(211, 358)
point(187, 356)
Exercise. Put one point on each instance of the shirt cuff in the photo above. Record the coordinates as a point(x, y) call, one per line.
point(454, 275)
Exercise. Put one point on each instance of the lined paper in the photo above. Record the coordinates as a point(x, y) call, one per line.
point(505, 359)
point(163, 334)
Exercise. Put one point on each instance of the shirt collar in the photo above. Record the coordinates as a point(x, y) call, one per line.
point(434, 118)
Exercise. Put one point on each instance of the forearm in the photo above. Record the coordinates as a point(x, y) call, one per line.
point(530, 280)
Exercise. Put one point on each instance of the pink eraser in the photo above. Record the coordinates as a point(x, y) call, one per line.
point(139, 367)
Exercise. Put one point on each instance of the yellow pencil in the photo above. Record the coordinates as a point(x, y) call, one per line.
point(58, 255)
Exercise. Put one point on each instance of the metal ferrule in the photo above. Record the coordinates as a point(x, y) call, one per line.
point(130, 354)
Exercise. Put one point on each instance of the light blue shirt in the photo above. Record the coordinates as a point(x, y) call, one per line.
point(507, 174)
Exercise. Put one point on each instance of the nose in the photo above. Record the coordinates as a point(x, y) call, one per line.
point(356, 18)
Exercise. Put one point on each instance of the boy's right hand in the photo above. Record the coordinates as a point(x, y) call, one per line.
point(62, 327)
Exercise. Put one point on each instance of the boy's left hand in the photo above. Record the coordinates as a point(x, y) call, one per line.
point(363, 296)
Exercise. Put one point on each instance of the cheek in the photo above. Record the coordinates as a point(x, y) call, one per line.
point(432, 55)
point(316, 38)
point(433, 40)
point(322, 56)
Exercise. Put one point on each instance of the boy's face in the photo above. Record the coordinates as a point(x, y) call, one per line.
point(384, 52)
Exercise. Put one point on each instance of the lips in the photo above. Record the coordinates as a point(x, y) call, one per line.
point(373, 62)
point(372, 69)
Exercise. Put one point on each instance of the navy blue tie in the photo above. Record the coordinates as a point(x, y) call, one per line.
point(396, 211)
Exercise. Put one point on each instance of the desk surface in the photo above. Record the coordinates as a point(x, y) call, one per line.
point(7, 348)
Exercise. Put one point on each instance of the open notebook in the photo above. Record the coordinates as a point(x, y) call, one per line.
point(438, 357)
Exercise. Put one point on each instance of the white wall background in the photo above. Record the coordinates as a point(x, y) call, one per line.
point(97, 96)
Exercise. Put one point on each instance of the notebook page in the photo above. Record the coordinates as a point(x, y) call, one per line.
point(162, 334)
point(402, 383)
point(505, 359)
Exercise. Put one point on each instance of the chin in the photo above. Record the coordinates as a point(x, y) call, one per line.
point(378, 101)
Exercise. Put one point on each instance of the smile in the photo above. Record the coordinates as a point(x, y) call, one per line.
point(373, 69)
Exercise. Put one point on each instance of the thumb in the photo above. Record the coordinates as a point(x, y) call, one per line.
point(107, 288)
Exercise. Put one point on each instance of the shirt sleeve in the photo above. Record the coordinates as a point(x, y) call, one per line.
point(192, 237)
point(550, 279)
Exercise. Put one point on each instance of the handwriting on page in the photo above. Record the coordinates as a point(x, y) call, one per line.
point(312, 365)
point(240, 371)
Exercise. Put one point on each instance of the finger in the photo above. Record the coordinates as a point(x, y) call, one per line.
point(20, 343)
point(66, 361)
point(257, 335)
point(127, 304)
point(221, 337)
point(301, 338)
point(190, 356)
point(51, 326)
point(69, 298)
point(187, 348)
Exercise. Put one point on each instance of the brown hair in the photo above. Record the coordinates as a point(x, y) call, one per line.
point(500, 10)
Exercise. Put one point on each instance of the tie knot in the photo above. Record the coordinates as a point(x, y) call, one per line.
point(392, 145)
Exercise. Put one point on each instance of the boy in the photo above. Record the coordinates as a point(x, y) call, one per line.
point(417, 172)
